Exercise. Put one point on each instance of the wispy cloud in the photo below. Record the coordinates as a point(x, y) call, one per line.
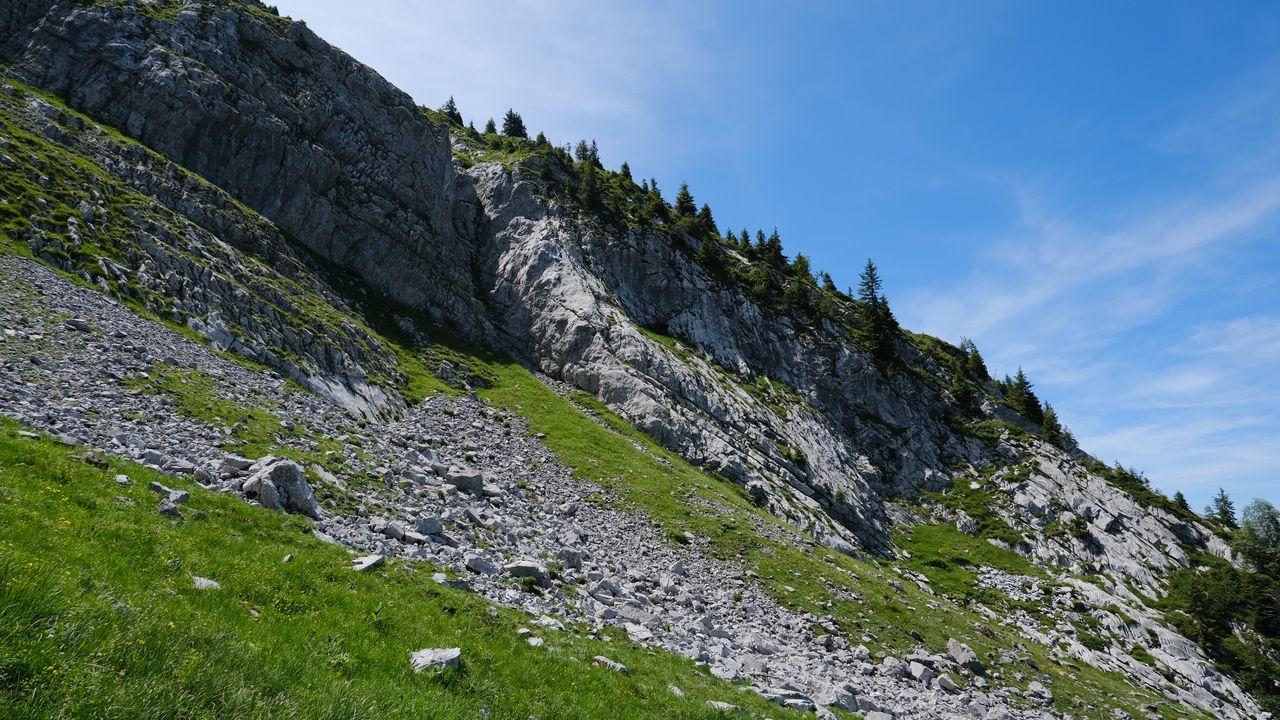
point(1108, 321)
point(1047, 258)
point(573, 68)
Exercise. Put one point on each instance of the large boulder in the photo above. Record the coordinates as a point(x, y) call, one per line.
point(281, 485)
point(964, 656)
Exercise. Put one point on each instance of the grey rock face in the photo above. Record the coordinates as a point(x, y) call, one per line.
point(283, 486)
point(310, 138)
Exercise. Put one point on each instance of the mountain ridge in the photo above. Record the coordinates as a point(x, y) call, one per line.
point(786, 405)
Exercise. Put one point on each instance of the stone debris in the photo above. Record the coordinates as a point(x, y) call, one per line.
point(367, 562)
point(613, 665)
point(281, 485)
point(435, 659)
point(585, 561)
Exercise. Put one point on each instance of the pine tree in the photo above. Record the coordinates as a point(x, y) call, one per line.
point(828, 283)
point(761, 284)
point(800, 269)
point(869, 285)
point(589, 190)
point(625, 171)
point(685, 206)
point(490, 128)
point(973, 359)
point(1223, 510)
point(1180, 501)
point(1021, 397)
point(1051, 425)
point(542, 141)
point(707, 223)
point(744, 241)
point(450, 111)
point(877, 326)
point(773, 250)
point(513, 125)
point(711, 256)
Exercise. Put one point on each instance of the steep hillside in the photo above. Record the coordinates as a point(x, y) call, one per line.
point(346, 279)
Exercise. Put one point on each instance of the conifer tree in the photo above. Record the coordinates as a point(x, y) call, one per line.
point(706, 223)
point(625, 171)
point(877, 326)
point(800, 269)
point(974, 363)
point(711, 256)
point(589, 190)
point(1223, 510)
point(513, 125)
point(773, 250)
point(1021, 397)
point(1180, 501)
point(542, 140)
point(490, 128)
point(685, 206)
point(1051, 425)
point(450, 111)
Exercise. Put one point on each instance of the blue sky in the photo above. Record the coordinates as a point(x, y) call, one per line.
point(1089, 190)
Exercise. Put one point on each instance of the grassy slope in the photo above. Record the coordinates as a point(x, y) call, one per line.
point(863, 595)
point(679, 497)
point(99, 618)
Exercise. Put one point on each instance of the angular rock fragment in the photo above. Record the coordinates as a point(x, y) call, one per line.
point(435, 659)
point(281, 485)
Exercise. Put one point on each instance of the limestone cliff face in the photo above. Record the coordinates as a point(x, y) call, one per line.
point(318, 143)
point(345, 164)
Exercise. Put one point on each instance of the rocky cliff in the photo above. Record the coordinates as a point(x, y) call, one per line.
point(221, 168)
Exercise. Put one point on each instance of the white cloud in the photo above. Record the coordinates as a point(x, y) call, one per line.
point(1057, 285)
point(1093, 315)
point(573, 68)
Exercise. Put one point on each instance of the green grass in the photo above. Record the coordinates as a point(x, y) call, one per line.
point(256, 431)
point(99, 618)
point(978, 503)
point(950, 559)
